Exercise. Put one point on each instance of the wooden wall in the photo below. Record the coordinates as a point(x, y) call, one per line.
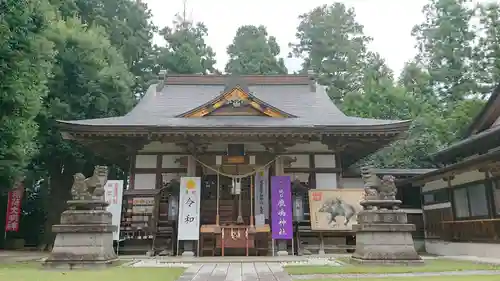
point(463, 209)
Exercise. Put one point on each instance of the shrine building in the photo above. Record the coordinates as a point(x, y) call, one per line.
point(225, 129)
point(461, 199)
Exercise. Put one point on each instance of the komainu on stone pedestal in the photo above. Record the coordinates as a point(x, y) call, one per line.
point(84, 238)
point(383, 234)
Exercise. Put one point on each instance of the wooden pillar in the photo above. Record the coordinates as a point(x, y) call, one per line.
point(191, 172)
point(279, 170)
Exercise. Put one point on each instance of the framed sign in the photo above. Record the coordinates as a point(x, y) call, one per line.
point(335, 209)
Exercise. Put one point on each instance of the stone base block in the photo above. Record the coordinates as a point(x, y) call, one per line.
point(188, 254)
point(70, 217)
point(385, 246)
point(82, 250)
point(282, 253)
point(382, 217)
point(66, 265)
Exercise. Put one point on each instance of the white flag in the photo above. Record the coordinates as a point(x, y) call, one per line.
point(189, 208)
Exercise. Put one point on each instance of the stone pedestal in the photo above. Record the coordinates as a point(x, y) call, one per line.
point(188, 249)
point(282, 248)
point(84, 239)
point(384, 237)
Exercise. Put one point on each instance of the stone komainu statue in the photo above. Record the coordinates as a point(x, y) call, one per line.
point(85, 188)
point(376, 188)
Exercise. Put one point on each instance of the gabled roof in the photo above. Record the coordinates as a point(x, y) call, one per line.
point(480, 135)
point(235, 95)
point(164, 104)
point(487, 116)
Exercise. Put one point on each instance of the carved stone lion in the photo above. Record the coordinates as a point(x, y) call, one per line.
point(375, 188)
point(387, 190)
point(84, 188)
point(372, 182)
point(79, 190)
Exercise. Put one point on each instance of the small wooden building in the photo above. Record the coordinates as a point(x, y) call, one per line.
point(201, 125)
point(461, 199)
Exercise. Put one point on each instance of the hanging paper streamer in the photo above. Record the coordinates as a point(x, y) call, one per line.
point(236, 186)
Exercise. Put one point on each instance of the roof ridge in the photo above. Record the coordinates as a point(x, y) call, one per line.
point(197, 79)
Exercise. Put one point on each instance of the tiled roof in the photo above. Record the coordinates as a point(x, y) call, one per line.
point(290, 93)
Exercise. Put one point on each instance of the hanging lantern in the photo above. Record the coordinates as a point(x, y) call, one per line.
point(298, 191)
point(173, 199)
point(173, 207)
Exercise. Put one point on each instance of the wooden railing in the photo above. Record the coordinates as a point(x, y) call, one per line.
point(434, 222)
point(485, 230)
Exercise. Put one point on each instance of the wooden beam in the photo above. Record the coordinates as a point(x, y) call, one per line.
point(159, 170)
point(159, 164)
point(312, 173)
point(313, 170)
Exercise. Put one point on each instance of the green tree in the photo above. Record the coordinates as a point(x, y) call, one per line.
point(487, 50)
point(129, 27)
point(91, 80)
point(381, 98)
point(253, 51)
point(444, 41)
point(186, 51)
point(333, 45)
point(25, 63)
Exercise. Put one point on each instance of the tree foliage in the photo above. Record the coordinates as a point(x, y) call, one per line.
point(186, 51)
point(444, 41)
point(486, 58)
point(438, 90)
point(333, 45)
point(128, 26)
point(25, 63)
point(90, 80)
point(253, 51)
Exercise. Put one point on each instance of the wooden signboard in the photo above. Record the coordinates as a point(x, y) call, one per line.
point(235, 160)
point(334, 209)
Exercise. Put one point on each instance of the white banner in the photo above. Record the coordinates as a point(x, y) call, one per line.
point(113, 194)
point(261, 196)
point(189, 208)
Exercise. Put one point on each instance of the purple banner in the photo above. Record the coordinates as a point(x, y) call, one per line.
point(281, 204)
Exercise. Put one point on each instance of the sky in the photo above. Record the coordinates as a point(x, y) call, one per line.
point(388, 22)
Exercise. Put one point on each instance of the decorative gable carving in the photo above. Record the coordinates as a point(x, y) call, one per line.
point(236, 102)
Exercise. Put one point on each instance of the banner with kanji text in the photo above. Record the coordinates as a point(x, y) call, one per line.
point(14, 208)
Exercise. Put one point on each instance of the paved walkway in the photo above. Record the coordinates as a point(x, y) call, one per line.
point(391, 275)
point(259, 271)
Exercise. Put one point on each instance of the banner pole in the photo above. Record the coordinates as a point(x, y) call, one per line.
point(251, 202)
point(177, 245)
point(198, 250)
point(217, 216)
point(272, 246)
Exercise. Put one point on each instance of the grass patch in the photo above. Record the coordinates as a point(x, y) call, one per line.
point(435, 265)
point(429, 278)
point(30, 271)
